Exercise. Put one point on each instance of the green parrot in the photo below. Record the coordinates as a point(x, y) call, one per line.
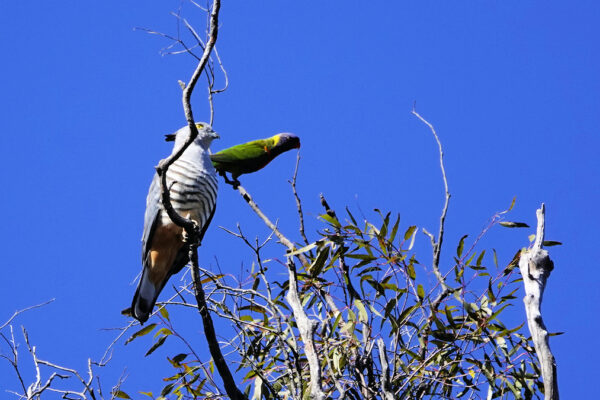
point(252, 156)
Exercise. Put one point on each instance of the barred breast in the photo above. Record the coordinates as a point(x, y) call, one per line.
point(194, 194)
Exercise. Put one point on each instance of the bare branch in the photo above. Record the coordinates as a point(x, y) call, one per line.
point(223, 70)
point(164, 165)
point(306, 326)
point(108, 352)
point(16, 313)
point(191, 228)
point(210, 44)
point(385, 375)
point(298, 202)
point(15, 360)
point(437, 243)
point(535, 265)
point(437, 249)
point(284, 240)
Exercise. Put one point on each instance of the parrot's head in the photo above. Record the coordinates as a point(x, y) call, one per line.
point(206, 135)
point(287, 141)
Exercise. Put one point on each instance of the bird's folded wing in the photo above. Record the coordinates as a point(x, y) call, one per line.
point(153, 202)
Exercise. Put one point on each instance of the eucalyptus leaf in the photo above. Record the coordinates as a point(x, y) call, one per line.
point(156, 345)
point(144, 331)
point(510, 224)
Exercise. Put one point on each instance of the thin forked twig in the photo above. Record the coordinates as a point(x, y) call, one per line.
point(298, 202)
point(437, 243)
point(16, 313)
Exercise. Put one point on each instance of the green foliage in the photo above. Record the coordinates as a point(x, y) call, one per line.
point(144, 331)
point(121, 395)
point(361, 284)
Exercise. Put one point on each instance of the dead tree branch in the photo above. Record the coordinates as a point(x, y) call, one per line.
point(210, 44)
point(88, 386)
point(209, 330)
point(437, 243)
point(284, 240)
point(306, 326)
point(535, 265)
point(385, 375)
point(191, 228)
point(16, 313)
point(298, 202)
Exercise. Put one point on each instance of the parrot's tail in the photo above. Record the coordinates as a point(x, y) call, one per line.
point(144, 298)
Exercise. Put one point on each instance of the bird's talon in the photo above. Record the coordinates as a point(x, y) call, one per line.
point(233, 181)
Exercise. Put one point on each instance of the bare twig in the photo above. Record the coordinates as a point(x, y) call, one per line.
point(284, 240)
point(16, 313)
point(210, 44)
point(39, 385)
point(211, 84)
point(36, 388)
point(437, 244)
point(535, 265)
point(15, 359)
point(223, 70)
point(298, 202)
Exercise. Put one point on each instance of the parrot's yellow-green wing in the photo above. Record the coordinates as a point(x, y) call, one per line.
point(252, 156)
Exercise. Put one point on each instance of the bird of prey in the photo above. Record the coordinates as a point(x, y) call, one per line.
point(193, 187)
point(252, 156)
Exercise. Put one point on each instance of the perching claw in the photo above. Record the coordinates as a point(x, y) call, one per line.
point(235, 183)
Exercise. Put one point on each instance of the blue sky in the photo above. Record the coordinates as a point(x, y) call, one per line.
point(511, 87)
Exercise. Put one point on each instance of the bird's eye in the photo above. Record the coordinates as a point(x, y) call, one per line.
point(199, 126)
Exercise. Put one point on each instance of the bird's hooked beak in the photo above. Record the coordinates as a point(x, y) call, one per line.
point(292, 140)
point(214, 135)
